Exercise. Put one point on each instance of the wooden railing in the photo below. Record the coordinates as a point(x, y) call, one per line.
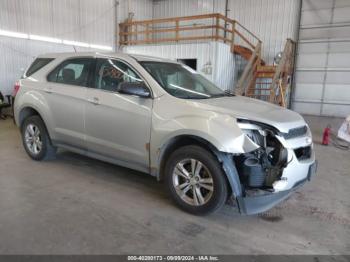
point(269, 83)
point(215, 27)
point(282, 80)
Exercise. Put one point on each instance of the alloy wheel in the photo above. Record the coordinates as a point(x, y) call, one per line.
point(33, 139)
point(193, 182)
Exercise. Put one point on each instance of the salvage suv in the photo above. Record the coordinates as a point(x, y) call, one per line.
point(165, 119)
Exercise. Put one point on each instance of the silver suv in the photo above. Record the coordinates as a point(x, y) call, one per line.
point(165, 119)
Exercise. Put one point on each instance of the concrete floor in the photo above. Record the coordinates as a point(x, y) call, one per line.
point(77, 205)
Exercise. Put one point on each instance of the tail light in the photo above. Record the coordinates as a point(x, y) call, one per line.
point(16, 89)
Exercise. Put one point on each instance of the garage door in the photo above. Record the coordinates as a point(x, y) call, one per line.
point(322, 82)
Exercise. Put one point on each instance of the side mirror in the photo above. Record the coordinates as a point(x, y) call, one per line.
point(134, 88)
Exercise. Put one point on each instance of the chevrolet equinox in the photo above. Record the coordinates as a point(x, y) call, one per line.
point(165, 119)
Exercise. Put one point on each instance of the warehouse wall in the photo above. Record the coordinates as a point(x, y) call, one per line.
point(87, 21)
point(169, 8)
point(141, 9)
point(273, 21)
point(322, 83)
point(79, 20)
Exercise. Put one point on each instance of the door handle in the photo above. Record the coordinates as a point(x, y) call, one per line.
point(94, 101)
point(48, 90)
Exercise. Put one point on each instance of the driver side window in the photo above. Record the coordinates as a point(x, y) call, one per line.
point(110, 74)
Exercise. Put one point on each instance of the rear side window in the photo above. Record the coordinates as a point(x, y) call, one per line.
point(72, 72)
point(37, 65)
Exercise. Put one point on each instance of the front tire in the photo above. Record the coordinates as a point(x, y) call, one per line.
point(195, 180)
point(36, 140)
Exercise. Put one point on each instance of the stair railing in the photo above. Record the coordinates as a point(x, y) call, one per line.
point(280, 88)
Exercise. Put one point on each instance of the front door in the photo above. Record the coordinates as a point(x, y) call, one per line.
point(117, 125)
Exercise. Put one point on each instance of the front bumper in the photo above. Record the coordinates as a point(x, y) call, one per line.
point(258, 204)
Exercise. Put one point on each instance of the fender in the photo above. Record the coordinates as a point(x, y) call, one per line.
point(220, 131)
point(225, 159)
point(33, 99)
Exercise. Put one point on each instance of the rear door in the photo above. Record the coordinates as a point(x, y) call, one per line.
point(66, 95)
point(117, 125)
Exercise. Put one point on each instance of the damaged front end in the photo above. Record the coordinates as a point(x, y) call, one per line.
point(280, 163)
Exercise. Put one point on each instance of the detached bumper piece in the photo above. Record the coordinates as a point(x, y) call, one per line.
point(257, 204)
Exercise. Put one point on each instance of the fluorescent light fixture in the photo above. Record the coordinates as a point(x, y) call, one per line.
point(45, 39)
point(68, 42)
point(53, 40)
point(13, 34)
point(102, 47)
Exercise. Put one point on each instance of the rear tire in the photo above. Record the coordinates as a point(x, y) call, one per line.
point(195, 180)
point(36, 140)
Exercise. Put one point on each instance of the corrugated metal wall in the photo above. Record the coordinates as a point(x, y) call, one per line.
point(141, 9)
point(223, 66)
point(273, 21)
point(323, 61)
point(86, 21)
point(17, 54)
point(170, 8)
point(77, 20)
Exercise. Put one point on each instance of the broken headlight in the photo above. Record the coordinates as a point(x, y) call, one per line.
point(257, 132)
point(263, 166)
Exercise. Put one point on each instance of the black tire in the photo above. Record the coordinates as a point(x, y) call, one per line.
point(220, 188)
point(48, 151)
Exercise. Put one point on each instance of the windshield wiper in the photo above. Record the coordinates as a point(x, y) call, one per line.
point(192, 97)
point(225, 93)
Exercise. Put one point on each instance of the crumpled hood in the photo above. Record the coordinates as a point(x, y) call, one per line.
point(253, 109)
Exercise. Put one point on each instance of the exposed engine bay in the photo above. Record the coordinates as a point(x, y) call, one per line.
point(262, 168)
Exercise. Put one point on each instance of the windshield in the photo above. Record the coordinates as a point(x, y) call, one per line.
point(181, 81)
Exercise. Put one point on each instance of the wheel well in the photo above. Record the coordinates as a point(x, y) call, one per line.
point(180, 141)
point(25, 113)
point(28, 112)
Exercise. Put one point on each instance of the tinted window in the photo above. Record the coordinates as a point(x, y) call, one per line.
point(111, 73)
point(72, 72)
point(36, 65)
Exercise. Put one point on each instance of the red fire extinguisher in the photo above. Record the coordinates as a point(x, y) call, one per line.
point(326, 135)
